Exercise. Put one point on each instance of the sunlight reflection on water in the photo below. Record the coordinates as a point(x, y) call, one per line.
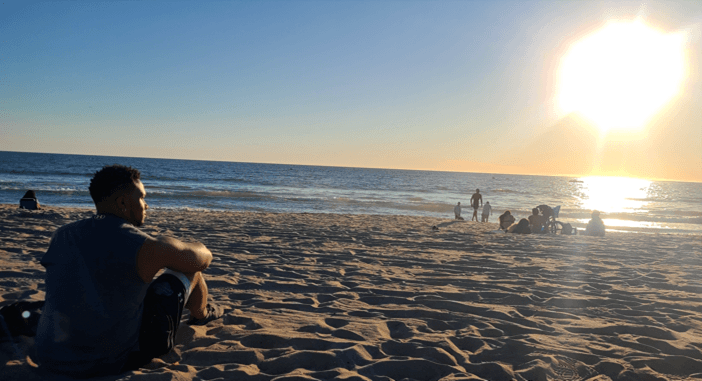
point(616, 195)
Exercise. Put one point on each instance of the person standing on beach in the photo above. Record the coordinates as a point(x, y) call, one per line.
point(476, 201)
point(104, 312)
point(457, 211)
point(487, 211)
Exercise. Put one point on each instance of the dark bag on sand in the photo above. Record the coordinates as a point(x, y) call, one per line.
point(567, 229)
point(20, 318)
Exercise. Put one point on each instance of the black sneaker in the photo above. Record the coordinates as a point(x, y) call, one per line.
point(214, 312)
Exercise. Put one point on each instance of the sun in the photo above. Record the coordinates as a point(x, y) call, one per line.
point(622, 75)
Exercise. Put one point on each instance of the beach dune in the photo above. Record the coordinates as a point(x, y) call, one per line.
point(365, 297)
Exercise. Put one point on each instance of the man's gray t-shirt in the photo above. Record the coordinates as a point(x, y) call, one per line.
point(94, 297)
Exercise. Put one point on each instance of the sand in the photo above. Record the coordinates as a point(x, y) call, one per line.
point(361, 297)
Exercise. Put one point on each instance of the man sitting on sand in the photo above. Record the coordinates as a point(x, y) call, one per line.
point(536, 221)
point(104, 313)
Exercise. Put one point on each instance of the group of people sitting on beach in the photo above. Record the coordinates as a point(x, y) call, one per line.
point(538, 223)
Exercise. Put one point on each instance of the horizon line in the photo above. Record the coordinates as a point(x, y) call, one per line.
point(358, 167)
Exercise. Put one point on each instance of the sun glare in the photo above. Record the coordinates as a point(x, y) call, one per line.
point(622, 75)
point(614, 194)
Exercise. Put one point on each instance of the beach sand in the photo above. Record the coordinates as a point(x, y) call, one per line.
point(360, 297)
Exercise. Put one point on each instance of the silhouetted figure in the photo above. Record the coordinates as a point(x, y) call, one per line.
point(506, 220)
point(595, 227)
point(29, 201)
point(546, 211)
point(476, 201)
point(487, 211)
point(457, 211)
point(536, 221)
point(520, 228)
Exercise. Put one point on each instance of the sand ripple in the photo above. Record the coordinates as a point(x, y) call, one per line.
point(324, 297)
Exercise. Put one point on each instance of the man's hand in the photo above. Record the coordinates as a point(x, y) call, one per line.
point(158, 253)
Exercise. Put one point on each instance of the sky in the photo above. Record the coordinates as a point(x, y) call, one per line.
point(466, 86)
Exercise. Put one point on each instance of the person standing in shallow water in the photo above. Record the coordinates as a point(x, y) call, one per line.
point(476, 201)
point(104, 312)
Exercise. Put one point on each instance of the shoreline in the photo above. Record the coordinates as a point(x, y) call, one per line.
point(323, 296)
point(186, 209)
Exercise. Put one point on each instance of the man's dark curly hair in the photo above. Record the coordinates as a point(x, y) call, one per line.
point(111, 179)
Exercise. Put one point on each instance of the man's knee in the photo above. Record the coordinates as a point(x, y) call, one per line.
point(190, 280)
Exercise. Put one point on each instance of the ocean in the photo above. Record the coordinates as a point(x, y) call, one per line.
point(630, 205)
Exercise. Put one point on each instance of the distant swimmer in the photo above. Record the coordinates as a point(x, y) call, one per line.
point(596, 226)
point(457, 211)
point(487, 211)
point(476, 201)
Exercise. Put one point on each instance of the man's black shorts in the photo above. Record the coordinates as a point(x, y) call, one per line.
point(163, 308)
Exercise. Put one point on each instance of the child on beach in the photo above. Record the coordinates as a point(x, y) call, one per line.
point(487, 211)
point(457, 211)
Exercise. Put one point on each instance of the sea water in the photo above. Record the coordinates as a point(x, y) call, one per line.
point(632, 205)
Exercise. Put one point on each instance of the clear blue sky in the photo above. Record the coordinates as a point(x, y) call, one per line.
point(398, 84)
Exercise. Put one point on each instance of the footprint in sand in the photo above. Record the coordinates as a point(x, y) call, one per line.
point(399, 330)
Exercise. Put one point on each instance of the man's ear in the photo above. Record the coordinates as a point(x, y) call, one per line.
point(121, 201)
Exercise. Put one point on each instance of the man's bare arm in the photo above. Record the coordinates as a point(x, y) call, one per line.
point(158, 253)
